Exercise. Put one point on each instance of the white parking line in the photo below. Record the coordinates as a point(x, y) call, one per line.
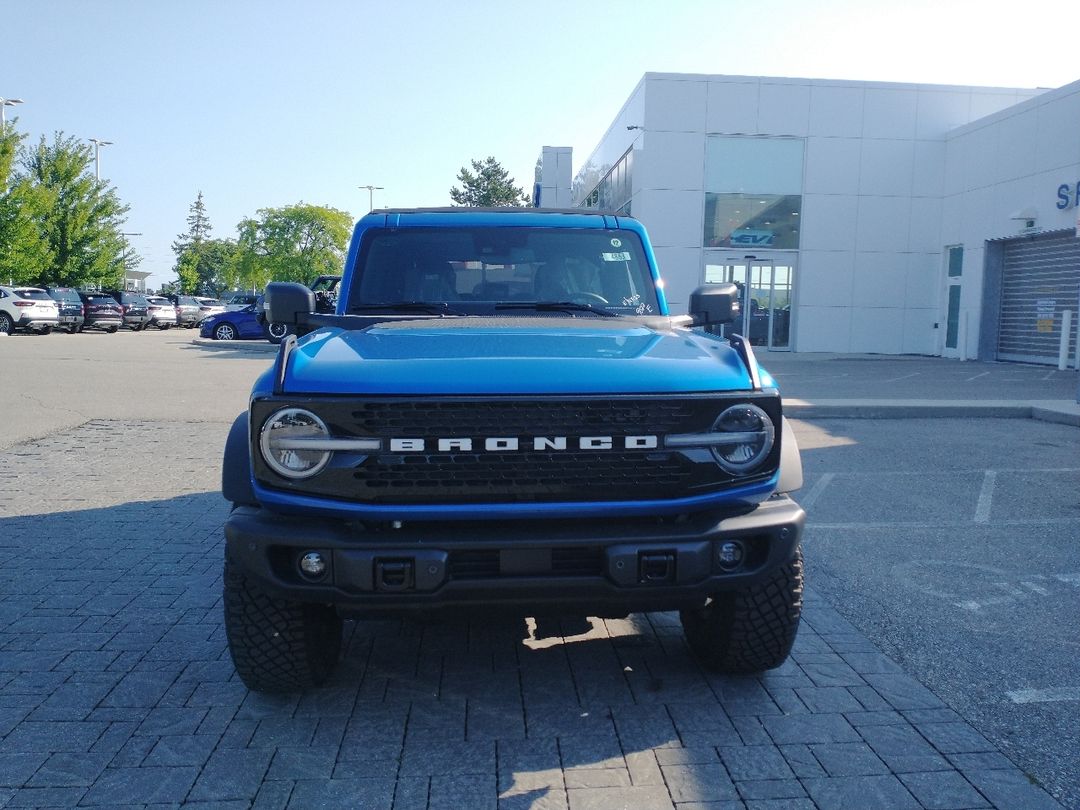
point(905, 377)
point(815, 491)
point(1054, 694)
point(986, 497)
point(969, 379)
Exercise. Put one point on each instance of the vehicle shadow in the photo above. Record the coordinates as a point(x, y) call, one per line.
point(113, 627)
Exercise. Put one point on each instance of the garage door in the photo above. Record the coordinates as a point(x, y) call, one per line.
point(1040, 280)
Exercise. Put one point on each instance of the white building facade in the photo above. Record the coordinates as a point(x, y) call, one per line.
point(856, 216)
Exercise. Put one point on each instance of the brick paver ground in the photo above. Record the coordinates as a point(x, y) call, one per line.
point(116, 688)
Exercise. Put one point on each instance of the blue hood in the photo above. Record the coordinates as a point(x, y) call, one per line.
point(493, 356)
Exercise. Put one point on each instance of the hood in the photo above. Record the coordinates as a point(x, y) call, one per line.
point(495, 356)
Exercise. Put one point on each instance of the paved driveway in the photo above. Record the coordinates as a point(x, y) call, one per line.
point(116, 688)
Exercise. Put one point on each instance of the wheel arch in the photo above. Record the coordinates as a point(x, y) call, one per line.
point(236, 465)
point(791, 476)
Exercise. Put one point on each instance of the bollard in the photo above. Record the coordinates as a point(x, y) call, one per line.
point(1066, 339)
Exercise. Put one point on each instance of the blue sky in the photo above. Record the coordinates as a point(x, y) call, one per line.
point(264, 104)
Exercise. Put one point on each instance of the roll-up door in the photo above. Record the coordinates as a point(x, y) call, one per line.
point(1040, 280)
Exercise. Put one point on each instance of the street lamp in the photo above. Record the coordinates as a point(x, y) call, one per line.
point(371, 195)
point(98, 143)
point(6, 102)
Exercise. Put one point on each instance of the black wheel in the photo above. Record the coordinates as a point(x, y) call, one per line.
point(82, 328)
point(46, 330)
point(278, 645)
point(7, 326)
point(162, 326)
point(112, 329)
point(224, 331)
point(749, 630)
point(71, 330)
point(276, 331)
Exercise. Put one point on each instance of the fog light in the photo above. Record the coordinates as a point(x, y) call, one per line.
point(730, 555)
point(313, 565)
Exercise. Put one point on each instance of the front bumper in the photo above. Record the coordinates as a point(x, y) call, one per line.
point(601, 567)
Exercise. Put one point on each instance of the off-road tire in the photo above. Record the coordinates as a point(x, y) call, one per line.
point(750, 630)
point(278, 645)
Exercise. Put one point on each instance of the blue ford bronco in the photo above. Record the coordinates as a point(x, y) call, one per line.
point(502, 414)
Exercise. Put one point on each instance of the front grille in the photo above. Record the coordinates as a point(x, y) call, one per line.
point(525, 475)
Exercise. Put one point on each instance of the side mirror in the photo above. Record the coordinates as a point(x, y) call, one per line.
point(286, 302)
point(714, 303)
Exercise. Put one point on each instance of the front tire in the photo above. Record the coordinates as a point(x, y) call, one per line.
point(224, 331)
point(7, 326)
point(276, 331)
point(278, 645)
point(749, 630)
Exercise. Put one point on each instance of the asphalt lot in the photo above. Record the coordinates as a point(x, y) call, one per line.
point(935, 666)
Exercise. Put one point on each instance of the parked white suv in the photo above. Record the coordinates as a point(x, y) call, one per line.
point(27, 308)
point(161, 311)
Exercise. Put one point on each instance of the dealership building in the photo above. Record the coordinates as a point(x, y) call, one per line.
point(855, 216)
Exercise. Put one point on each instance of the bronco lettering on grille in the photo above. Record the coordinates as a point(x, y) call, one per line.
point(504, 444)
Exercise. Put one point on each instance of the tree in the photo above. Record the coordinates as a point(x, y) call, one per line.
point(61, 226)
point(294, 243)
point(488, 185)
point(196, 266)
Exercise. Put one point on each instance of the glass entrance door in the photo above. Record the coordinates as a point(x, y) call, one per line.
point(765, 286)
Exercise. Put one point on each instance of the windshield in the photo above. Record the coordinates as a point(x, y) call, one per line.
point(65, 294)
point(475, 270)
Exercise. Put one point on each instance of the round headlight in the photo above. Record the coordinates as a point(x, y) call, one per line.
point(751, 440)
point(282, 441)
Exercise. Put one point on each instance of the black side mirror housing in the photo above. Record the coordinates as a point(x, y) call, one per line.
point(288, 302)
point(714, 304)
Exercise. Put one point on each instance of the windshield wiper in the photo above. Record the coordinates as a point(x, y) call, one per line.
point(435, 308)
point(567, 306)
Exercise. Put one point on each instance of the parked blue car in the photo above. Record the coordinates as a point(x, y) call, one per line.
point(243, 324)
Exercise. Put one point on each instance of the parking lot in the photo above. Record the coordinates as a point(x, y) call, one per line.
point(935, 666)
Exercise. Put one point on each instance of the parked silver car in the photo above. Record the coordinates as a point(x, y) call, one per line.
point(209, 307)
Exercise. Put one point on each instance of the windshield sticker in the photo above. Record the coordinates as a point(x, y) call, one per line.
point(616, 243)
point(640, 307)
point(616, 257)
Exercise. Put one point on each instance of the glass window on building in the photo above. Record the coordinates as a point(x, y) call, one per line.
point(614, 190)
point(956, 261)
point(753, 192)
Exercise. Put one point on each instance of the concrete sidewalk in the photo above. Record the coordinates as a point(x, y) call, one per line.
point(884, 386)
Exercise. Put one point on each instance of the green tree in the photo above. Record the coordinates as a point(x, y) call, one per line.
point(10, 143)
point(75, 238)
point(488, 185)
point(294, 243)
point(197, 259)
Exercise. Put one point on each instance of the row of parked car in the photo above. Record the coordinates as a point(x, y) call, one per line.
point(41, 310)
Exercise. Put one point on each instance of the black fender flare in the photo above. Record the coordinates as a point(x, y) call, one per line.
point(236, 465)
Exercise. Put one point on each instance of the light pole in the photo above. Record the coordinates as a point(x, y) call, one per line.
point(6, 102)
point(98, 143)
point(371, 195)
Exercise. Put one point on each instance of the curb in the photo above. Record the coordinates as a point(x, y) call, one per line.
point(258, 345)
point(1063, 413)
